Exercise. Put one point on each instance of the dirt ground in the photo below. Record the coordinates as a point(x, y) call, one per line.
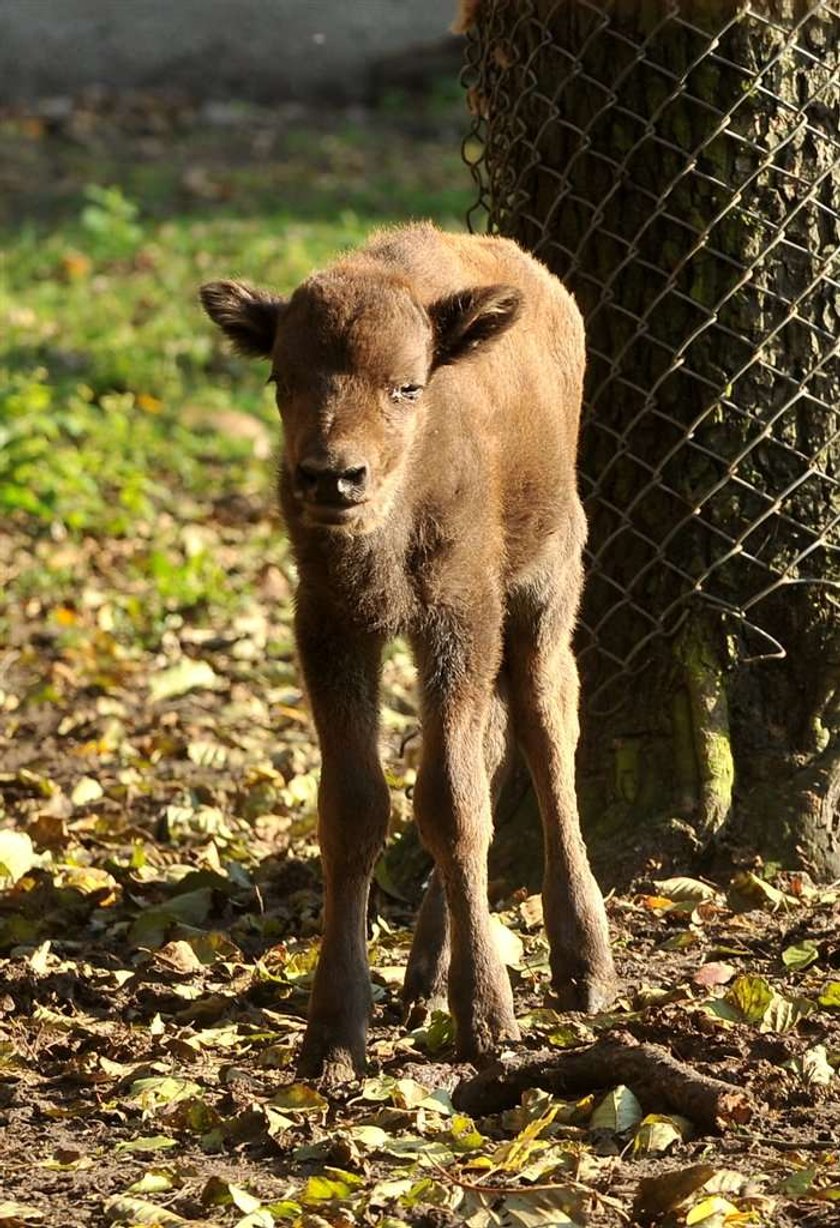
point(161, 931)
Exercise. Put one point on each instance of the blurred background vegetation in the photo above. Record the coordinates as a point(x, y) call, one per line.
point(118, 405)
point(109, 377)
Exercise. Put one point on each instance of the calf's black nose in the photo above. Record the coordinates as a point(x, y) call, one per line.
point(322, 484)
point(352, 482)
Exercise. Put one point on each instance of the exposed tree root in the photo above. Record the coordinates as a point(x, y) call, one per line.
point(658, 1080)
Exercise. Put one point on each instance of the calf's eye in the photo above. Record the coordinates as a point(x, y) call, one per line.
point(406, 392)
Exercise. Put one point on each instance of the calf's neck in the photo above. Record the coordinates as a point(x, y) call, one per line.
point(429, 386)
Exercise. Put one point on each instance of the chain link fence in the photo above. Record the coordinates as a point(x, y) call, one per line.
point(677, 164)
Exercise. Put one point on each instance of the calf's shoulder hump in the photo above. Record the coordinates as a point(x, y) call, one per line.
point(435, 261)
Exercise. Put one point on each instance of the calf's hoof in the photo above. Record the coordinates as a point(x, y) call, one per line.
point(482, 1039)
point(329, 1060)
point(418, 1009)
point(483, 1027)
point(333, 1048)
point(336, 1034)
point(424, 989)
point(427, 974)
point(589, 994)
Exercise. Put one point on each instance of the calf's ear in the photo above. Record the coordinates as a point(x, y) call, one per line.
point(470, 318)
point(249, 317)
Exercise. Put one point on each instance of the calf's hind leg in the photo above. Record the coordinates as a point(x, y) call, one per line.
point(425, 984)
point(342, 679)
point(544, 702)
point(453, 811)
point(424, 989)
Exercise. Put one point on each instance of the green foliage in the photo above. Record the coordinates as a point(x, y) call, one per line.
point(112, 383)
point(110, 221)
point(70, 459)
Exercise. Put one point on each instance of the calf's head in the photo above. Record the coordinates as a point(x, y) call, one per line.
point(354, 357)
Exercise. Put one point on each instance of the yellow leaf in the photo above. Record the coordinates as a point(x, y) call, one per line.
point(408, 1093)
point(513, 1156)
point(155, 1181)
point(618, 1111)
point(531, 911)
point(156, 1092)
point(207, 754)
point(829, 999)
point(539, 1208)
point(242, 1200)
point(748, 891)
point(751, 996)
point(464, 1135)
point(685, 889)
point(187, 675)
point(262, 1218)
point(782, 1014)
point(334, 1183)
point(681, 941)
point(64, 616)
point(276, 1122)
point(299, 1098)
point(16, 855)
point(657, 1133)
point(658, 1195)
point(85, 791)
point(65, 1160)
point(122, 1209)
point(508, 944)
point(370, 1138)
point(38, 960)
point(155, 1142)
point(150, 404)
point(180, 957)
point(713, 1206)
point(656, 902)
point(114, 1070)
point(75, 265)
point(90, 880)
point(18, 1213)
point(801, 954)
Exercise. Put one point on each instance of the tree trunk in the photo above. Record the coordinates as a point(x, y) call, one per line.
point(676, 165)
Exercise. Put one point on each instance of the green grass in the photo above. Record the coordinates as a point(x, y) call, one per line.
point(111, 380)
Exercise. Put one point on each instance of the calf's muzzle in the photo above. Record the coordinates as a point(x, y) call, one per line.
point(320, 482)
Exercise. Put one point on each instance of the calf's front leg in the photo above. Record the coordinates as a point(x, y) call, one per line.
point(341, 670)
point(544, 687)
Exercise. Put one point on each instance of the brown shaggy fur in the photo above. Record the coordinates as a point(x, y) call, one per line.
point(430, 386)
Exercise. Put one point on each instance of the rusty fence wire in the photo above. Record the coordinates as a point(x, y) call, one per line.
point(677, 164)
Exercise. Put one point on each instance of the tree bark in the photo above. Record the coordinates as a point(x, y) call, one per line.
point(676, 165)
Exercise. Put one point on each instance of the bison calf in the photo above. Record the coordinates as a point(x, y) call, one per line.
point(429, 386)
